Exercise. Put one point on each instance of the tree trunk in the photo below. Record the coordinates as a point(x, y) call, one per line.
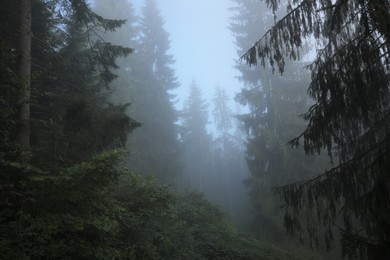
point(24, 72)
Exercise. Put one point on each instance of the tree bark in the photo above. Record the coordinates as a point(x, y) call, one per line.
point(24, 73)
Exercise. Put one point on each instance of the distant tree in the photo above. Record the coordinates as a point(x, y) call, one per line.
point(195, 139)
point(350, 118)
point(226, 185)
point(223, 116)
point(155, 147)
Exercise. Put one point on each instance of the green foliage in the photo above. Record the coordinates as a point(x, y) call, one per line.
point(350, 118)
point(62, 216)
point(72, 117)
point(212, 235)
point(97, 210)
point(148, 76)
point(70, 196)
point(274, 104)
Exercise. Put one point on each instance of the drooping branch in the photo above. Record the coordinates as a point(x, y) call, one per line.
point(270, 39)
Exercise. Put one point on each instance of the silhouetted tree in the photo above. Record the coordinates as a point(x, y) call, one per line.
point(123, 86)
point(71, 121)
point(73, 199)
point(350, 118)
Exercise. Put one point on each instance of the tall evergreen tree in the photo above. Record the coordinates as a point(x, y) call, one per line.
point(274, 104)
point(79, 89)
point(52, 199)
point(155, 148)
point(226, 185)
point(196, 140)
point(224, 143)
point(350, 118)
point(222, 117)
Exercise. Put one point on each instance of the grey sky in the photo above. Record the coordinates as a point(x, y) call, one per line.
point(201, 43)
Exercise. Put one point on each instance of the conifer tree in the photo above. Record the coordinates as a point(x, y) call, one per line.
point(274, 105)
point(123, 86)
point(196, 140)
point(78, 91)
point(222, 116)
point(53, 199)
point(225, 184)
point(155, 146)
point(350, 118)
point(73, 200)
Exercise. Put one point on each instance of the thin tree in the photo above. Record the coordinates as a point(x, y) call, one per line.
point(24, 73)
point(196, 139)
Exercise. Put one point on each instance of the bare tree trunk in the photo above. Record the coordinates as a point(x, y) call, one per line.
point(25, 34)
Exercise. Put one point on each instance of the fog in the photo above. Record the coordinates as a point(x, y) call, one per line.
point(203, 54)
point(202, 44)
point(211, 123)
point(194, 129)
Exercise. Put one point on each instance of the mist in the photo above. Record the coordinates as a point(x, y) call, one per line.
point(229, 129)
point(206, 125)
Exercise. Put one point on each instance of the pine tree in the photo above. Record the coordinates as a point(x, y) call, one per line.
point(226, 185)
point(53, 198)
point(123, 86)
point(274, 104)
point(82, 122)
point(155, 146)
point(196, 140)
point(222, 117)
point(350, 118)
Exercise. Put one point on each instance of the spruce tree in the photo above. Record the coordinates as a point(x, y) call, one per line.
point(350, 118)
point(274, 105)
point(225, 184)
point(123, 86)
point(58, 205)
point(155, 146)
point(196, 140)
point(223, 117)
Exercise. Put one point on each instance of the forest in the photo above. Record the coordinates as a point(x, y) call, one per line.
point(108, 152)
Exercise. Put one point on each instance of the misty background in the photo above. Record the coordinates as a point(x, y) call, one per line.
point(210, 65)
point(232, 121)
point(226, 124)
point(207, 65)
